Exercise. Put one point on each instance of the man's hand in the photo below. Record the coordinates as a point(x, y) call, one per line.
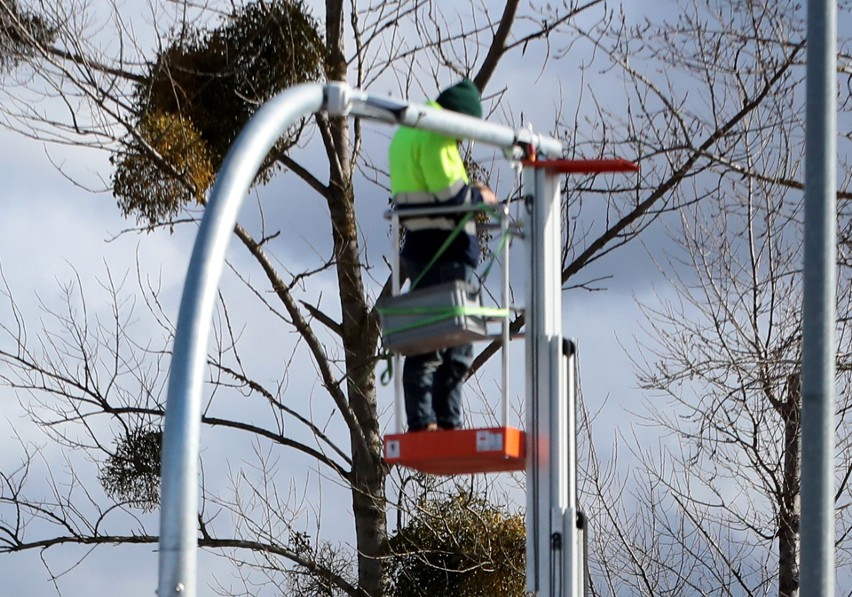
point(488, 195)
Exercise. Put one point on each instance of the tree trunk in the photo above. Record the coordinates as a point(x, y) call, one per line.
point(790, 502)
point(360, 336)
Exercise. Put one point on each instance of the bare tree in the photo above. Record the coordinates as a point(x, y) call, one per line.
point(98, 391)
point(715, 500)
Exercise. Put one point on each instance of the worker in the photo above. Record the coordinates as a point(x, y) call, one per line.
point(426, 169)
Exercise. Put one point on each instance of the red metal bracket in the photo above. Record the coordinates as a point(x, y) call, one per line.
point(584, 166)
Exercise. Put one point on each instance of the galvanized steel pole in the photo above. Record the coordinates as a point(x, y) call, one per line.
point(818, 351)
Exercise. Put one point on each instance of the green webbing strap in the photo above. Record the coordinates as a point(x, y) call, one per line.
point(386, 375)
point(438, 314)
point(450, 238)
point(503, 239)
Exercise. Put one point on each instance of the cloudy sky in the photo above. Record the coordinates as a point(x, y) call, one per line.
point(54, 232)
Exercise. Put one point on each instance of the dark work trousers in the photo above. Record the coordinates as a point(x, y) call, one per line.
point(432, 381)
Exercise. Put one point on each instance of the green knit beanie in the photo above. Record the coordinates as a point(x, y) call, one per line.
point(462, 97)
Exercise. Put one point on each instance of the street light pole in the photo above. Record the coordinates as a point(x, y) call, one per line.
point(818, 308)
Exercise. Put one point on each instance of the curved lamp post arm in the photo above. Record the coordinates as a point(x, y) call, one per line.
point(179, 467)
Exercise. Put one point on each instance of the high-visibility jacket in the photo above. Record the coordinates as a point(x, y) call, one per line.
point(426, 170)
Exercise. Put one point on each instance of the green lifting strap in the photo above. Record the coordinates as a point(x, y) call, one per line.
point(450, 237)
point(438, 314)
point(387, 374)
point(503, 239)
point(453, 234)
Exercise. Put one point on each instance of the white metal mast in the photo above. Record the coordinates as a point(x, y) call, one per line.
point(553, 541)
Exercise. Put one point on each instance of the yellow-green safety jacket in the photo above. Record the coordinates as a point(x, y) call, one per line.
point(426, 169)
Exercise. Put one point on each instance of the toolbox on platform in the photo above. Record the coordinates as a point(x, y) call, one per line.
point(432, 318)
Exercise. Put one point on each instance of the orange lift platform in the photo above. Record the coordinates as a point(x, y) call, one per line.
point(436, 317)
point(459, 451)
point(441, 316)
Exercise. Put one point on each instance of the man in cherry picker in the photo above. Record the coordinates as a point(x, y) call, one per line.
point(426, 170)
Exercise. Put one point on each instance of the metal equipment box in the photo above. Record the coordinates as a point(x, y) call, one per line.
point(432, 318)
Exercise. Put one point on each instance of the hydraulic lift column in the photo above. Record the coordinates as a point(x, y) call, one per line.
point(555, 528)
point(551, 493)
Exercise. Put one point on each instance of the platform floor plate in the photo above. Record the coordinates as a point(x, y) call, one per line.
point(460, 451)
